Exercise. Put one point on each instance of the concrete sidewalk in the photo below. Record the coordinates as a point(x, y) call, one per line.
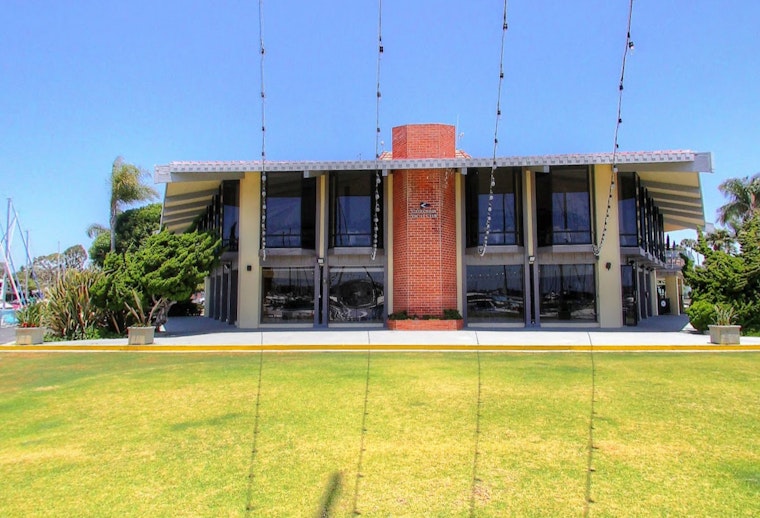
point(661, 333)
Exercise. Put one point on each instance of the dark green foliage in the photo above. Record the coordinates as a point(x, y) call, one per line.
point(166, 268)
point(133, 227)
point(730, 278)
point(701, 314)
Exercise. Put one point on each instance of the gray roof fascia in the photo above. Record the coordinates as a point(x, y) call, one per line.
point(195, 171)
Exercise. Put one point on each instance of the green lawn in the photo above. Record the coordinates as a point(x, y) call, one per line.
point(130, 434)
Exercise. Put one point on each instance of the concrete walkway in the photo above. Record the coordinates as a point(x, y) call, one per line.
point(663, 333)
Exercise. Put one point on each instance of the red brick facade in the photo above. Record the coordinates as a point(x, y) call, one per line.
point(424, 224)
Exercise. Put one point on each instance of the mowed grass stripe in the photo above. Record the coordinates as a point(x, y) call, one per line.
point(170, 435)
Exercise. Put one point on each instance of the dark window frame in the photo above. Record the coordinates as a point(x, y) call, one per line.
point(546, 188)
point(346, 231)
point(476, 206)
point(304, 190)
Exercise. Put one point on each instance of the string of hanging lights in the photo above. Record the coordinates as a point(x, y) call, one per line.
point(378, 176)
point(489, 211)
point(597, 249)
point(263, 137)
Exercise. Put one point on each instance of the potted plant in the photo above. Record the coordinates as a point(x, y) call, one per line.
point(29, 330)
point(724, 331)
point(142, 332)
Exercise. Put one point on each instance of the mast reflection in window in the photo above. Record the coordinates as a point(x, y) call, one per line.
point(356, 295)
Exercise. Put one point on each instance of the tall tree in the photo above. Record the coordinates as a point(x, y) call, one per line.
point(743, 200)
point(133, 227)
point(127, 188)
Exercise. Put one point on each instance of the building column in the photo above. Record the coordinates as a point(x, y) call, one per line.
point(609, 288)
point(249, 279)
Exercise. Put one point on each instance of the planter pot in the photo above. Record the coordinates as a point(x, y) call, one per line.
point(141, 335)
point(425, 325)
point(29, 335)
point(725, 334)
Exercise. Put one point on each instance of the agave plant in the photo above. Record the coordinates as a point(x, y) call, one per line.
point(30, 315)
point(70, 312)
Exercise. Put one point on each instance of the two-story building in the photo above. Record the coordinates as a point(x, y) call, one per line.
point(569, 240)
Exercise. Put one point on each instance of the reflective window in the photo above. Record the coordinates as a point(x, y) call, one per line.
point(567, 292)
point(628, 212)
point(495, 293)
point(564, 206)
point(287, 295)
point(352, 208)
point(505, 206)
point(628, 280)
point(231, 212)
point(357, 295)
point(291, 211)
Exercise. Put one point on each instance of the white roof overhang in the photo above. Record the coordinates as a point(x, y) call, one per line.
point(671, 178)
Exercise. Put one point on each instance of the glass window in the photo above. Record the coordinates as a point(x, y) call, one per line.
point(505, 207)
point(357, 295)
point(352, 209)
point(567, 292)
point(495, 293)
point(291, 211)
point(628, 213)
point(628, 279)
point(231, 211)
point(287, 295)
point(564, 206)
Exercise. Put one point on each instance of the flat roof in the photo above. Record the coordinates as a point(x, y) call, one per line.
point(671, 177)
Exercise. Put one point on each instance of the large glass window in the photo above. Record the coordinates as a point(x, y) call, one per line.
point(505, 206)
point(628, 280)
point(291, 211)
point(564, 206)
point(628, 212)
point(356, 295)
point(231, 214)
point(353, 196)
point(495, 293)
point(567, 291)
point(287, 295)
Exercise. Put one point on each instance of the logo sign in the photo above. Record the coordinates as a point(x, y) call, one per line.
point(425, 210)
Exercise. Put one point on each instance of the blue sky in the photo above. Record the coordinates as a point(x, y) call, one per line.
point(84, 81)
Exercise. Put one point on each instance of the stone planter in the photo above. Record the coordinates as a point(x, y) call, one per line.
point(29, 335)
point(725, 334)
point(139, 335)
point(425, 325)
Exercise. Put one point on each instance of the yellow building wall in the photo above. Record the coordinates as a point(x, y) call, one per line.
point(673, 291)
point(459, 210)
point(249, 280)
point(609, 290)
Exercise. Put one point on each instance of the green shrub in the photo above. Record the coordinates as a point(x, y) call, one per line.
point(451, 314)
point(701, 314)
point(31, 314)
point(70, 312)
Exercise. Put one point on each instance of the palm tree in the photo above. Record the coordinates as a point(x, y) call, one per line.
point(721, 239)
point(126, 189)
point(744, 200)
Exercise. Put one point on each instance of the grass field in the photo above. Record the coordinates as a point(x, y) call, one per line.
point(128, 434)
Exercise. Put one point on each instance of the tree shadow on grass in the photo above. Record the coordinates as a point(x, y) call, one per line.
point(330, 496)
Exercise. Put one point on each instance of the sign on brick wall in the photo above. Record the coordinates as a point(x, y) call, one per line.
point(425, 210)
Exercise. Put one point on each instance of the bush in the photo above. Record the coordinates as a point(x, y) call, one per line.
point(31, 314)
point(70, 312)
point(701, 314)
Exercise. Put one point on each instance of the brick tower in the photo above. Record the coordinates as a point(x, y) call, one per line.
point(424, 224)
